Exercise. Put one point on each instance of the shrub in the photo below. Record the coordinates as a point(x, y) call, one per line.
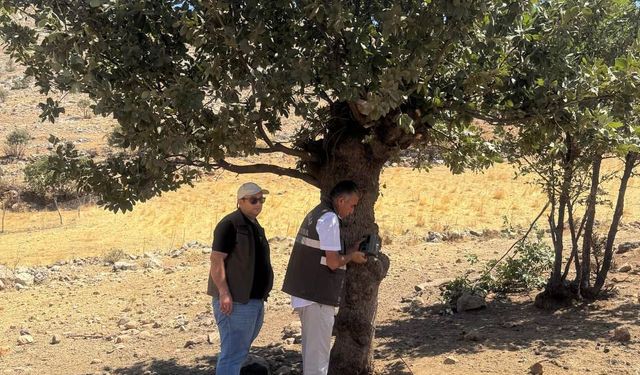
point(3, 94)
point(21, 83)
point(84, 105)
point(525, 270)
point(113, 256)
point(16, 142)
point(10, 67)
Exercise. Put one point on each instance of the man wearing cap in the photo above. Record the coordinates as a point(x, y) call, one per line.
point(240, 278)
point(316, 271)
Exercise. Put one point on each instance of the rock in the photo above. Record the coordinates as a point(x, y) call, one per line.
point(124, 320)
point(124, 266)
point(122, 338)
point(293, 330)
point(289, 341)
point(2, 286)
point(627, 246)
point(450, 361)
point(131, 325)
point(475, 233)
point(24, 279)
point(420, 287)
point(625, 268)
point(536, 369)
point(474, 335)
point(453, 236)
point(193, 342)
point(25, 339)
point(96, 361)
point(152, 263)
point(622, 334)
point(211, 338)
point(55, 339)
point(6, 275)
point(283, 370)
point(434, 237)
point(416, 303)
point(255, 365)
point(468, 302)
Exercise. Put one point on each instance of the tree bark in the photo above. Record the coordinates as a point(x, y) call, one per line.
point(629, 164)
point(584, 281)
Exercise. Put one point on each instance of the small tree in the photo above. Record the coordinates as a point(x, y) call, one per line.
point(85, 106)
point(46, 179)
point(16, 142)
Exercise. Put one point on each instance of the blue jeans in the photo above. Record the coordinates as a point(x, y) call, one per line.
point(237, 332)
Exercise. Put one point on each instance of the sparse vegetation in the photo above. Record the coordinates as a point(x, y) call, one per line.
point(113, 255)
point(3, 94)
point(16, 142)
point(21, 83)
point(524, 270)
point(85, 106)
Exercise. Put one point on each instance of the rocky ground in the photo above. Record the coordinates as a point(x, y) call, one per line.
point(148, 314)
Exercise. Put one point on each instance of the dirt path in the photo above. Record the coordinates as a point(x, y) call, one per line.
point(158, 321)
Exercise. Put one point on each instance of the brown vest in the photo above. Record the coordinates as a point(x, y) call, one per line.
point(307, 275)
point(239, 264)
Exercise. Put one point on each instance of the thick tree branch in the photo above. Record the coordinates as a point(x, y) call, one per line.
point(268, 168)
point(279, 147)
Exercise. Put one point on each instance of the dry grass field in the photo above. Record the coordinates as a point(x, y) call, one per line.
point(411, 201)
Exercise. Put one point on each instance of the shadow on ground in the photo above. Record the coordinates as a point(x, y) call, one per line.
point(276, 355)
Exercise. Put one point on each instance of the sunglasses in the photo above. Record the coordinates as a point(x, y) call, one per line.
point(254, 200)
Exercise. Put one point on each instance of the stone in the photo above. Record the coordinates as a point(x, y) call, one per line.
point(283, 370)
point(293, 330)
point(152, 263)
point(255, 365)
point(622, 334)
point(2, 286)
point(6, 275)
point(625, 268)
point(25, 339)
point(193, 342)
point(211, 338)
point(122, 338)
point(450, 361)
point(24, 279)
point(124, 266)
point(434, 237)
point(420, 287)
point(96, 361)
point(627, 246)
point(131, 325)
point(475, 233)
point(124, 320)
point(55, 339)
point(468, 302)
point(536, 369)
point(474, 335)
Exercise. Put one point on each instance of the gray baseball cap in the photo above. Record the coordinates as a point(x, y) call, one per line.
point(250, 188)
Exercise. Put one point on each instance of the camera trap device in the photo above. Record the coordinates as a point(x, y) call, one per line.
point(371, 245)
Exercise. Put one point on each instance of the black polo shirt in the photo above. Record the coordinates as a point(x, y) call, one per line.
point(224, 241)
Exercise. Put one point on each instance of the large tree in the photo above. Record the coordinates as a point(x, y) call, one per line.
point(194, 83)
point(570, 100)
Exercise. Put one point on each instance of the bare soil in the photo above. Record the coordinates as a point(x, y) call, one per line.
point(82, 306)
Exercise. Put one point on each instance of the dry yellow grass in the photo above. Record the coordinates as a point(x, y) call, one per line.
point(410, 200)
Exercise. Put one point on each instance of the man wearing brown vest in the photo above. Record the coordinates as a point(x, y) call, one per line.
point(316, 271)
point(240, 278)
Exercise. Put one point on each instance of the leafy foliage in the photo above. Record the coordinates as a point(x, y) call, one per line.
point(45, 177)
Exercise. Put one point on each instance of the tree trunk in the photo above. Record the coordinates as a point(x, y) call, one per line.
point(355, 324)
point(590, 215)
point(629, 164)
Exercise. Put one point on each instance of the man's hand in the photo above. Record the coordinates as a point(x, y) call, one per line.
point(358, 257)
point(226, 303)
